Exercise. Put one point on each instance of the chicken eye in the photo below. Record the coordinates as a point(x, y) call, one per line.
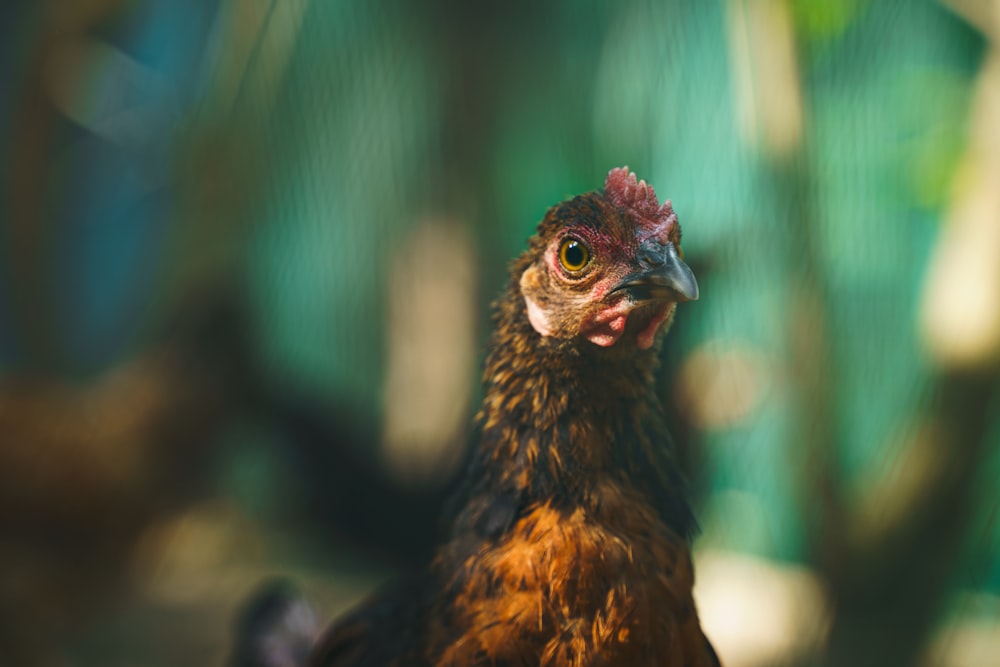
point(573, 255)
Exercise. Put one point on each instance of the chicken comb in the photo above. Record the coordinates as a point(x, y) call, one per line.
point(638, 198)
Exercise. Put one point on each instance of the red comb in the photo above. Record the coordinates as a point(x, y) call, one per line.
point(638, 198)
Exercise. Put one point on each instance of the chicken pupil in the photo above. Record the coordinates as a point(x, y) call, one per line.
point(574, 254)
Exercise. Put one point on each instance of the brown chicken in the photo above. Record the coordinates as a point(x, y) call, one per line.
point(569, 540)
point(86, 469)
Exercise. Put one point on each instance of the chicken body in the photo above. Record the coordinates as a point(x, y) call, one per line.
point(569, 541)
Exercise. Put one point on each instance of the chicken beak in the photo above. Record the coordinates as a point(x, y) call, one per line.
point(667, 277)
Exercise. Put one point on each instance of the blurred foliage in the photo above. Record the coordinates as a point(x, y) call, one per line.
point(162, 157)
point(821, 21)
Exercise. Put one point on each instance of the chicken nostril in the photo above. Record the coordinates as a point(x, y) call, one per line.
point(652, 254)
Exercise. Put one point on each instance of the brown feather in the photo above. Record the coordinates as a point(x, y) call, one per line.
point(569, 542)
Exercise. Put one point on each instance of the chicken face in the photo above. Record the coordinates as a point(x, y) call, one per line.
point(606, 264)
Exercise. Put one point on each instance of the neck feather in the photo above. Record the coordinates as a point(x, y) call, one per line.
point(559, 417)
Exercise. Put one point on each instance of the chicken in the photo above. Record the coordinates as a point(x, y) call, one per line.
point(569, 537)
point(85, 469)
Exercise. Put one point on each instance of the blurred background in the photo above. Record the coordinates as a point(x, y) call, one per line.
point(247, 249)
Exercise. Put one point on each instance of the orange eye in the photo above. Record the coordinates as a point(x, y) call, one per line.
point(573, 255)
